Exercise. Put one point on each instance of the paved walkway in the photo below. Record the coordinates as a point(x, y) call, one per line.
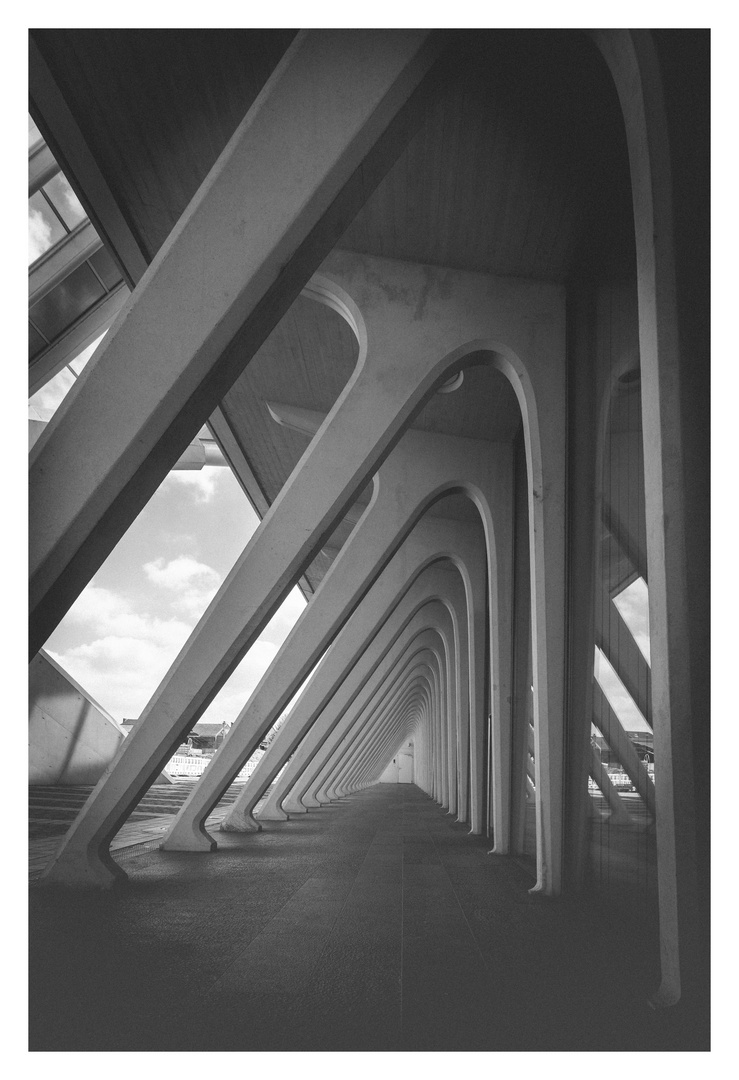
point(52, 809)
point(375, 923)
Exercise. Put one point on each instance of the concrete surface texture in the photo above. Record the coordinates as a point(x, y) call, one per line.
point(375, 923)
point(573, 498)
point(72, 739)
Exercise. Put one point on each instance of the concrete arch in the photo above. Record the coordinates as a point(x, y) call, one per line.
point(289, 787)
point(353, 438)
point(380, 532)
point(386, 736)
point(360, 718)
point(493, 508)
point(335, 778)
point(174, 349)
point(398, 699)
point(422, 652)
point(438, 540)
point(346, 668)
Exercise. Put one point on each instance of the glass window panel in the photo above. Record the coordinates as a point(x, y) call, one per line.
point(64, 304)
point(35, 342)
point(34, 135)
point(65, 201)
point(44, 227)
point(105, 268)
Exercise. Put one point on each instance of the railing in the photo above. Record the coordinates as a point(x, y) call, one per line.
point(180, 765)
point(621, 780)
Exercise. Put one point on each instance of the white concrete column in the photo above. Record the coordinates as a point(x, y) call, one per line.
point(364, 753)
point(500, 623)
point(383, 755)
point(413, 628)
point(349, 762)
point(420, 663)
point(252, 235)
point(674, 652)
point(402, 358)
point(379, 658)
point(343, 673)
point(436, 463)
point(362, 718)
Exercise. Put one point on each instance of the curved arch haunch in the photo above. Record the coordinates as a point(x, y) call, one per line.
point(406, 357)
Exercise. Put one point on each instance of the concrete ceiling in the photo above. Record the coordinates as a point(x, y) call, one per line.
point(519, 169)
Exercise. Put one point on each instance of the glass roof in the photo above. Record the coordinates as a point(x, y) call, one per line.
point(45, 227)
point(65, 202)
point(53, 213)
point(71, 275)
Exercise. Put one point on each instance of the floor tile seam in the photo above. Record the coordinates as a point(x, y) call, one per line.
point(338, 915)
point(310, 973)
point(202, 993)
point(472, 933)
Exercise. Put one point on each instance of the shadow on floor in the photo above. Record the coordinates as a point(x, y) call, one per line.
point(376, 923)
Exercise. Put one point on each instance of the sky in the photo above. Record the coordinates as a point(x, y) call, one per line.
point(123, 633)
point(127, 627)
point(121, 636)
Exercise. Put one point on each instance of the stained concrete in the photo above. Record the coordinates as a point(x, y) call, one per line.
point(374, 923)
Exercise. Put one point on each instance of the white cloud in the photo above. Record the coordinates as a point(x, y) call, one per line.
point(127, 654)
point(181, 572)
point(73, 203)
point(285, 617)
point(110, 615)
point(121, 672)
point(617, 695)
point(234, 695)
point(201, 482)
point(633, 604)
point(39, 235)
point(194, 582)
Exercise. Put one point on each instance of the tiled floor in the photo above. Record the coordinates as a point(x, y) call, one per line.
point(376, 923)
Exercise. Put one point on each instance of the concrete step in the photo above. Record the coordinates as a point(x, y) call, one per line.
point(51, 811)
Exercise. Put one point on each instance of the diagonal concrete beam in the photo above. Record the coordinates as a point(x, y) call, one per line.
point(320, 134)
point(403, 357)
point(611, 727)
point(614, 638)
point(436, 463)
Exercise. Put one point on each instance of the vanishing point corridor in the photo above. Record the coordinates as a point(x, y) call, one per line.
point(375, 923)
